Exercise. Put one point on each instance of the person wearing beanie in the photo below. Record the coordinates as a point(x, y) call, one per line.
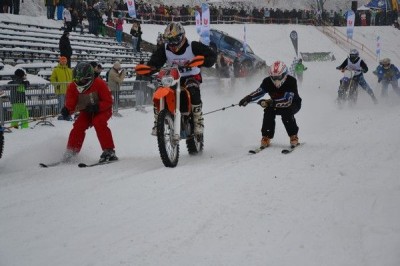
point(116, 76)
point(60, 77)
point(388, 74)
point(17, 88)
point(97, 68)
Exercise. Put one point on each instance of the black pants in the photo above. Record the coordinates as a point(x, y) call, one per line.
point(287, 116)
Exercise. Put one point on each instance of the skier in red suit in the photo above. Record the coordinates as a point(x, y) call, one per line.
point(90, 96)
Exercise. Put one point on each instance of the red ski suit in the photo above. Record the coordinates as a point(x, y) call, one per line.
point(99, 120)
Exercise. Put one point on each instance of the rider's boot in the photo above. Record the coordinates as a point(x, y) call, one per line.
point(154, 129)
point(198, 119)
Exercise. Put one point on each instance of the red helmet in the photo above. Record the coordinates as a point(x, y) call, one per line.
point(278, 73)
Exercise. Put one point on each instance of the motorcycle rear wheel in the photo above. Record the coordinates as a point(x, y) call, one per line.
point(167, 146)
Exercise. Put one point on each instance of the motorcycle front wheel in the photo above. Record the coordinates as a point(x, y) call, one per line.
point(168, 147)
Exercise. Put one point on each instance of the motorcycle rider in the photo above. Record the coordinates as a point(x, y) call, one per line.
point(189, 56)
point(355, 63)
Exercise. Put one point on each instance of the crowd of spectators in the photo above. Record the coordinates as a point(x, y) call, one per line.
point(102, 12)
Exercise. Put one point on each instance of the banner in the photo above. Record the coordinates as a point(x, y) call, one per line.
point(294, 38)
point(131, 8)
point(379, 4)
point(378, 46)
point(205, 24)
point(197, 18)
point(351, 16)
point(244, 39)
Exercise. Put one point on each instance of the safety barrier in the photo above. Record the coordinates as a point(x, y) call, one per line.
point(46, 100)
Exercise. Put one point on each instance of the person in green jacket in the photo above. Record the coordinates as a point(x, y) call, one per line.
point(299, 68)
point(20, 113)
point(60, 78)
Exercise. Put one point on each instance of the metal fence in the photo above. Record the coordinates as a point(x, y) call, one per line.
point(46, 100)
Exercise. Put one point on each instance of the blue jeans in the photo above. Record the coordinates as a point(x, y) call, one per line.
point(134, 44)
point(118, 35)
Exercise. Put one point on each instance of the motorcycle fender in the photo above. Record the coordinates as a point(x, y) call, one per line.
point(168, 94)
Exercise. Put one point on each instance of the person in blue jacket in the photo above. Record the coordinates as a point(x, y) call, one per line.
point(388, 74)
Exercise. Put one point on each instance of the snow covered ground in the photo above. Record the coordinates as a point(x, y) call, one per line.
point(334, 201)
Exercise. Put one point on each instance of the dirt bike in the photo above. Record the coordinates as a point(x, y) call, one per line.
point(348, 88)
point(175, 119)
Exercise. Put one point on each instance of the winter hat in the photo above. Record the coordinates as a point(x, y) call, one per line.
point(63, 60)
point(385, 61)
point(117, 65)
point(19, 73)
point(93, 64)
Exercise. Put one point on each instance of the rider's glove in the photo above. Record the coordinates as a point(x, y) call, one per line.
point(245, 100)
point(92, 108)
point(265, 103)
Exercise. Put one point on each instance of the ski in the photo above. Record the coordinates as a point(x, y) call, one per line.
point(292, 148)
point(257, 150)
point(84, 165)
point(47, 165)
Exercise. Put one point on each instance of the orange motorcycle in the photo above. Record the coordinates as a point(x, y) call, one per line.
point(175, 118)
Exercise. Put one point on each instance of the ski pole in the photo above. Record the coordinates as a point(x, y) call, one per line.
point(221, 109)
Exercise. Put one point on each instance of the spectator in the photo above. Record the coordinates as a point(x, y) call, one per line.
point(116, 76)
point(6, 6)
point(60, 77)
point(139, 37)
point(60, 9)
point(135, 32)
point(75, 21)
point(160, 40)
point(388, 74)
point(15, 6)
point(67, 17)
point(363, 18)
point(93, 17)
point(119, 28)
point(65, 47)
point(51, 8)
point(97, 68)
point(299, 69)
point(18, 99)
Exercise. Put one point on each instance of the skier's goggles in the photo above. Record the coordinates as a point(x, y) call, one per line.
point(175, 40)
point(82, 81)
point(280, 77)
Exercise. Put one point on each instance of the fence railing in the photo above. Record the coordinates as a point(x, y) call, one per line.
point(46, 100)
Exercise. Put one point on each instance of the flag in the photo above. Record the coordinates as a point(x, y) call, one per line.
point(197, 17)
point(244, 39)
point(350, 23)
point(294, 38)
point(378, 46)
point(131, 8)
point(205, 24)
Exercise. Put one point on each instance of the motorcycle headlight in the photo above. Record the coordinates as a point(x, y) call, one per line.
point(167, 81)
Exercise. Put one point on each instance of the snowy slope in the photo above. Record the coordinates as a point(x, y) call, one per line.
point(332, 202)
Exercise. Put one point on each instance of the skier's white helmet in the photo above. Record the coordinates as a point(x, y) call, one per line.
point(278, 72)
